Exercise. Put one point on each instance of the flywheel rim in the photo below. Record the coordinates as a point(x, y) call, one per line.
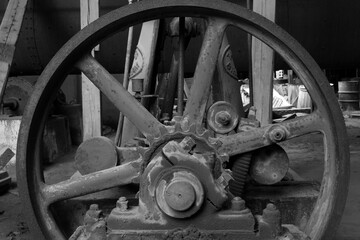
point(29, 170)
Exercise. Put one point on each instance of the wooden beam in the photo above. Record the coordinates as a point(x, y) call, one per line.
point(91, 98)
point(9, 33)
point(262, 67)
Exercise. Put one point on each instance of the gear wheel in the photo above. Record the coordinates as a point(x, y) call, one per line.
point(205, 144)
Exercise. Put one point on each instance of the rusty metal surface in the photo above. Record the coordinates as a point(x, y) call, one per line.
point(269, 165)
point(206, 162)
point(96, 154)
point(222, 117)
point(260, 137)
point(17, 90)
point(93, 182)
point(287, 196)
point(205, 68)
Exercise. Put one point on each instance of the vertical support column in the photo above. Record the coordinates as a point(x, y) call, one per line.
point(290, 76)
point(262, 67)
point(91, 99)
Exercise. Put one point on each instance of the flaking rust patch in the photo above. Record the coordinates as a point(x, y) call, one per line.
point(154, 217)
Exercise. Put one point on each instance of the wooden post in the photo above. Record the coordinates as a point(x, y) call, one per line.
point(262, 67)
point(290, 76)
point(91, 98)
point(9, 33)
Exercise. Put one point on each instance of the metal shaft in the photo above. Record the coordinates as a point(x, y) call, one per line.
point(180, 102)
point(125, 84)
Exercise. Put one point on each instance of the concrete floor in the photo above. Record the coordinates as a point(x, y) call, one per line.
point(13, 226)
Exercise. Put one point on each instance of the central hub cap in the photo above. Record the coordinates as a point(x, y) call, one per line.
point(180, 195)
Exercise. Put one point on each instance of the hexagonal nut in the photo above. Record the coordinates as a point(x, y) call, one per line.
point(188, 143)
point(277, 134)
point(122, 204)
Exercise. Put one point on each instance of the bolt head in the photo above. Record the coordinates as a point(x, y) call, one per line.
point(94, 207)
point(187, 143)
point(238, 204)
point(122, 204)
point(277, 134)
point(271, 207)
point(223, 118)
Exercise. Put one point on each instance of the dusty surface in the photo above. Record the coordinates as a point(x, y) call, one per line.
point(305, 154)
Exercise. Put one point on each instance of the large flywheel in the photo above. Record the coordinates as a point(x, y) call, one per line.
point(180, 176)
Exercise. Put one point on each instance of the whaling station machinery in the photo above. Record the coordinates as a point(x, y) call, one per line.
point(189, 159)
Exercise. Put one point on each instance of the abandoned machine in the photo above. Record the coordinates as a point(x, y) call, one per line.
point(189, 159)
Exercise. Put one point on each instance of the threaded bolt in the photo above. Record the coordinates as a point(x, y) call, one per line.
point(272, 216)
point(238, 204)
point(92, 215)
point(122, 204)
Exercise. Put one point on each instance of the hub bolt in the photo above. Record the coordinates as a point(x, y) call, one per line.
point(223, 118)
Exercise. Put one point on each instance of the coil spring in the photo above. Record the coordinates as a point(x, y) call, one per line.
point(240, 168)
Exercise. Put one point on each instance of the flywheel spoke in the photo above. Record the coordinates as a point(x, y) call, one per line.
point(119, 96)
point(200, 91)
point(90, 183)
point(264, 136)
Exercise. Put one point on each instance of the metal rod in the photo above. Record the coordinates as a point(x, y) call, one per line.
point(138, 115)
point(125, 83)
point(90, 183)
point(180, 101)
point(171, 89)
point(249, 40)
